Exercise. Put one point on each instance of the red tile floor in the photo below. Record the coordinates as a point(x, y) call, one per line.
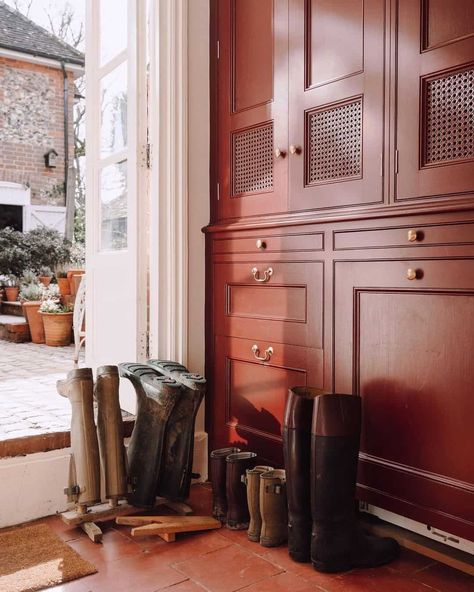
point(225, 561)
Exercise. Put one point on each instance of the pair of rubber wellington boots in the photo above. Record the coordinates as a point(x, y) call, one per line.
point(160, 453)
point(95, 446)
point(266, 496)
point(228, 467)
point(321, 445)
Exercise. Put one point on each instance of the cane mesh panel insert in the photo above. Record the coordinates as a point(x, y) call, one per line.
point(334, 143)
point(253, 160)
point(449, 118)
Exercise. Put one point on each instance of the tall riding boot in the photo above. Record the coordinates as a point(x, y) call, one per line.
point(110, 432)
point(156, 398)
point(217, 466)
point(338, 544)
point(84, 486)
point(252, 480)
point(175, 480)
point(238, 517)
point(273, 508)
point(297, 453)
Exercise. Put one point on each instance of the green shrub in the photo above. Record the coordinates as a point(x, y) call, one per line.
point(14, 255)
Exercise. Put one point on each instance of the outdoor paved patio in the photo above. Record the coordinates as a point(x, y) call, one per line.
point(29, 403)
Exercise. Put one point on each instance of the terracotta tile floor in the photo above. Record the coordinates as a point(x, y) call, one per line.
point(225, 561)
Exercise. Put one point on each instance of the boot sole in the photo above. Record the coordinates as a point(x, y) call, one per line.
point(255, 538)
point(331, 568)
point(271, 542)
point(237, 525)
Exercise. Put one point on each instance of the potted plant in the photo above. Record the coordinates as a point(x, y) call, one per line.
point(31, 296)
point(57, 320)
point(45, 276)
point(3, 283)
point(63, 283)
point(12, 288)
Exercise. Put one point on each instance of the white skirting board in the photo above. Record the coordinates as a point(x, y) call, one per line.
point(32, 485)
point(433, 533)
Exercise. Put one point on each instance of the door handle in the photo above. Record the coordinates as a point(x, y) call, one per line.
point(267, 274)
point(268, 353)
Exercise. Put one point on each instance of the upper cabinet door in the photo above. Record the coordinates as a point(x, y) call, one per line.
point(336, 103)
point(435, 120)
point(253, 107)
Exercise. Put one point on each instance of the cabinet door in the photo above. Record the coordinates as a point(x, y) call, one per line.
point(249, 396)
point(336, 103)
point(435, 120)
point(405, 346)
point(253, 107)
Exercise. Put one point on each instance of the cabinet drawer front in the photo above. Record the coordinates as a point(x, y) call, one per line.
point(269, 244)
point(406, 236)
point(250, 395)
point(280, 302)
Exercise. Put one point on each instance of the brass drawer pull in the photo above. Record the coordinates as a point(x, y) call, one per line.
point(260, 244)
point(279, 153)
point(413, 236)
point(268, 353)
point(412, 274)
point(267, 274)
point(295, 149)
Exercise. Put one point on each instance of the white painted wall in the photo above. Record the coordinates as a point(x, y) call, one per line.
point(198, 171)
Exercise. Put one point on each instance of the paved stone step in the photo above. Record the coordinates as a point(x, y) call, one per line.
point(11, 308)
point(14, 328)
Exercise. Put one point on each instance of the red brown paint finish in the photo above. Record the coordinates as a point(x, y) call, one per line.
point(371, 291)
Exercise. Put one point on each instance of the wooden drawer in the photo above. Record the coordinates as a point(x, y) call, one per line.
point(262, 243)
point(405, 236)
point(286, 308)
point(250, 395)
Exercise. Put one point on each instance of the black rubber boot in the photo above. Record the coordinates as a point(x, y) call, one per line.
point(218, 466)
point(297, 454)
point(238, 517)
point(338, 543)
point(157, 396)
point(175, 479)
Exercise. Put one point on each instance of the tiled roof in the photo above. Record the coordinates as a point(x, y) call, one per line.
point(18, 33)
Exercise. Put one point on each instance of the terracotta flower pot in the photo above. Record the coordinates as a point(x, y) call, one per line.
point(45, 280)
point(64, 287)
point(35, 322)
point(12, 293)
point(71, 276)
point(57, 328)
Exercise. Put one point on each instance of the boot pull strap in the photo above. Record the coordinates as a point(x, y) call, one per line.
point(243, 479)
point(277, 489)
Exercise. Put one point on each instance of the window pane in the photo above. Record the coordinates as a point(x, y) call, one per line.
point(113, 28)
point(113, 130)
point(113, 200)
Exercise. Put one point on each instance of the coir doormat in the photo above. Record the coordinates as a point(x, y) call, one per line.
point(34, 558)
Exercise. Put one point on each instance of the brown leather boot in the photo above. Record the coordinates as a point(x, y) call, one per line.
point(238, 517)
point(218, 466)
point(252, 479)
point(84, 471)
point(297, 454)
point(273, 508)
point(338, 543)
point(110, 433)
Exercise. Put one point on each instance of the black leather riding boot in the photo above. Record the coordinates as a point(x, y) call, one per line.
point(297, 454)
point(156, 398)
point(338, 543)
point(175, 479)
point(238, 517)
point(218, 467)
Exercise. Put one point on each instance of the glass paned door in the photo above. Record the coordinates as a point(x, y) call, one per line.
point(116, 182)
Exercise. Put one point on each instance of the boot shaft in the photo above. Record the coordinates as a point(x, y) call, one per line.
point(273, 508)
point(237, 507)
point(252, 480)
point(217, 470)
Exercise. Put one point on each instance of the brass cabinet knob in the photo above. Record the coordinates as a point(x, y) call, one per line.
point(268, 353)
point(267, 274)
point(412, 274)
point(413, 236)
point(279, 153)
point(261, 244)
point(295, 149)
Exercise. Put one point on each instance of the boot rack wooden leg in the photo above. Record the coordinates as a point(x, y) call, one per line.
point(92, 531)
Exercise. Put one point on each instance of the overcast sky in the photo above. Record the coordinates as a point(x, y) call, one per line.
point(41, 8)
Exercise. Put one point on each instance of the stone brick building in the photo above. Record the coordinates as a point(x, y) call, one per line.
point(37, 93)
